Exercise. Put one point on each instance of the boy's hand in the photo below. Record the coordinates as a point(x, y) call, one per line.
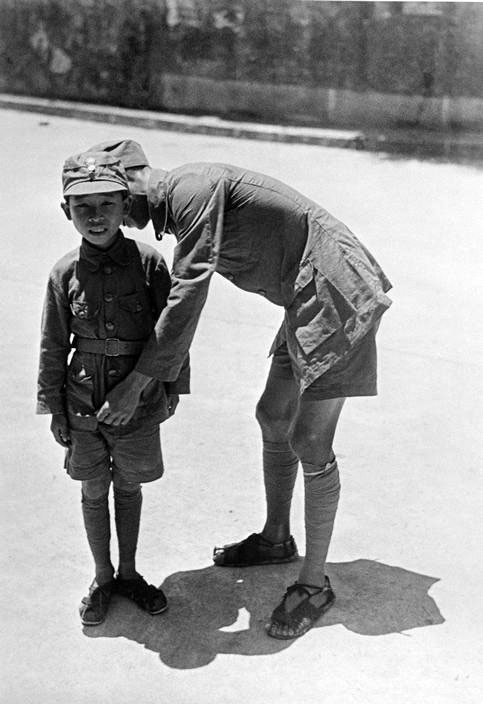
point(60, 429)
point(173, 400)
point(122, 401)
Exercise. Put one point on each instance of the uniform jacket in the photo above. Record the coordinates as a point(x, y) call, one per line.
point(91, 293)
point(268, 239)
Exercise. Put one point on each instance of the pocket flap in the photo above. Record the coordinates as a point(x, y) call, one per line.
point(134, 303)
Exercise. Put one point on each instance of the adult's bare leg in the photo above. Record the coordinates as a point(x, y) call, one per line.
point(312, 439)
point(276, 411)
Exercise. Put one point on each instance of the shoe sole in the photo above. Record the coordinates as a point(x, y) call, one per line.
point(279, 561)
point(92, 623)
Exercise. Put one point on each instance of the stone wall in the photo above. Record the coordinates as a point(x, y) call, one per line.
point(298, 61)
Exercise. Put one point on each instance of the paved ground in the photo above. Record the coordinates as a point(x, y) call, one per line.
point(449, 145)
point(405, 558)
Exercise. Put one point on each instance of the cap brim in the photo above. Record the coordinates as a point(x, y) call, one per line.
point(86, 187)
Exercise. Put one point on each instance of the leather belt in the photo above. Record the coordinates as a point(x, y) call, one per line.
point(110, 347)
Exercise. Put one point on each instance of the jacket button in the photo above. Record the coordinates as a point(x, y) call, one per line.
point(230, 277)
point(108, 297)
point(113, 372)
point(139, 307)
point(262, 292)
point(110, 326)
point(108, 269)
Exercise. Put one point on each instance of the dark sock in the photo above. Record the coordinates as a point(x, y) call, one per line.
point(322, 490)
point(98, 528)
point(280, 472)
point(127, 507)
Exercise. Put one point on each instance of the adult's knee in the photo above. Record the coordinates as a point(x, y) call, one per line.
point(310, 445)
point(274, 419)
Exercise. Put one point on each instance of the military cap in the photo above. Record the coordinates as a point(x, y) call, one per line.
point(129, 152)
point(93, 172)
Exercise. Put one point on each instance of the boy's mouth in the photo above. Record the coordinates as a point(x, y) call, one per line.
point(98, 230)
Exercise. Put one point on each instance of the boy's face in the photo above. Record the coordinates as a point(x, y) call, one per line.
point(98, 216)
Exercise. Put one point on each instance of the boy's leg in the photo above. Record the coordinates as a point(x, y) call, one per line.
point(128, 501)
point(88, 461)
point(136, 456)
point(95, 511)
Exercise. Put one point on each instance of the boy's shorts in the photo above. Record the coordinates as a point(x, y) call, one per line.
point(133, 452)
point(355, 374)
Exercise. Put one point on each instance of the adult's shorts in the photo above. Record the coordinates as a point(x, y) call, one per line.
point(355, 374)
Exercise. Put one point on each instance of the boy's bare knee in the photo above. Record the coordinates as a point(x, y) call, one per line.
point(96, 488)
point(121, 484)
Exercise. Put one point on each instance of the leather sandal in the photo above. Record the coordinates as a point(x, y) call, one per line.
point(255, 550)
point(304, 615)
point(146, 596)
point(93, 608)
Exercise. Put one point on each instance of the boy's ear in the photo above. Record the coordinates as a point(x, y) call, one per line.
point(65, 207)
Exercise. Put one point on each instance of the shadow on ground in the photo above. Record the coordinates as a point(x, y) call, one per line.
point(220, 610)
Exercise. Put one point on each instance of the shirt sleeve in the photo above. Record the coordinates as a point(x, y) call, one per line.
point(197, 208)
point(54, 351)
point(160, 286)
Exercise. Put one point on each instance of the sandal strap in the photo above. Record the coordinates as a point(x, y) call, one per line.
point(305, 608)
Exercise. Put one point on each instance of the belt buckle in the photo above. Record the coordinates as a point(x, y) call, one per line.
point(111, 347)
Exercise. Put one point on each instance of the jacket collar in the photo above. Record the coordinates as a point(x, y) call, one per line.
point(94, 257)
point(158, 202)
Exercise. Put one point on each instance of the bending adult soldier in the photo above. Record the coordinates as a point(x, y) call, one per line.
point(268, 239)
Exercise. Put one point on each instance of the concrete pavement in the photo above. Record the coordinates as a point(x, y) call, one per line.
point(405, 564)
point(450, 144)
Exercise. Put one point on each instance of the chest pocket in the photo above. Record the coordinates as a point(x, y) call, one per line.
point(134, 302)
point(136, 317)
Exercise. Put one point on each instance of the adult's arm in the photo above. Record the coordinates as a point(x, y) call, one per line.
point(197, 208)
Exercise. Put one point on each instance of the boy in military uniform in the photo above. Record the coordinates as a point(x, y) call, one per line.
point(103, 300)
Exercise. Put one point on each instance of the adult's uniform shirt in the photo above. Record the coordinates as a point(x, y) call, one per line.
point(268, 239)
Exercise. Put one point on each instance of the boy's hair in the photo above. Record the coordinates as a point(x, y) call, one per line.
point(93, 172)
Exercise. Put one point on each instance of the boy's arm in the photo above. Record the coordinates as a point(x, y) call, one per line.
point(59, 427)
point(54, 351)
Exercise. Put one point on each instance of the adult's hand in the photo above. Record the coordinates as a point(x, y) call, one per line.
point(122, 401)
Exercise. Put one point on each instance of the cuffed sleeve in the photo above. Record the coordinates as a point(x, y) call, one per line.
point(182, 383)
